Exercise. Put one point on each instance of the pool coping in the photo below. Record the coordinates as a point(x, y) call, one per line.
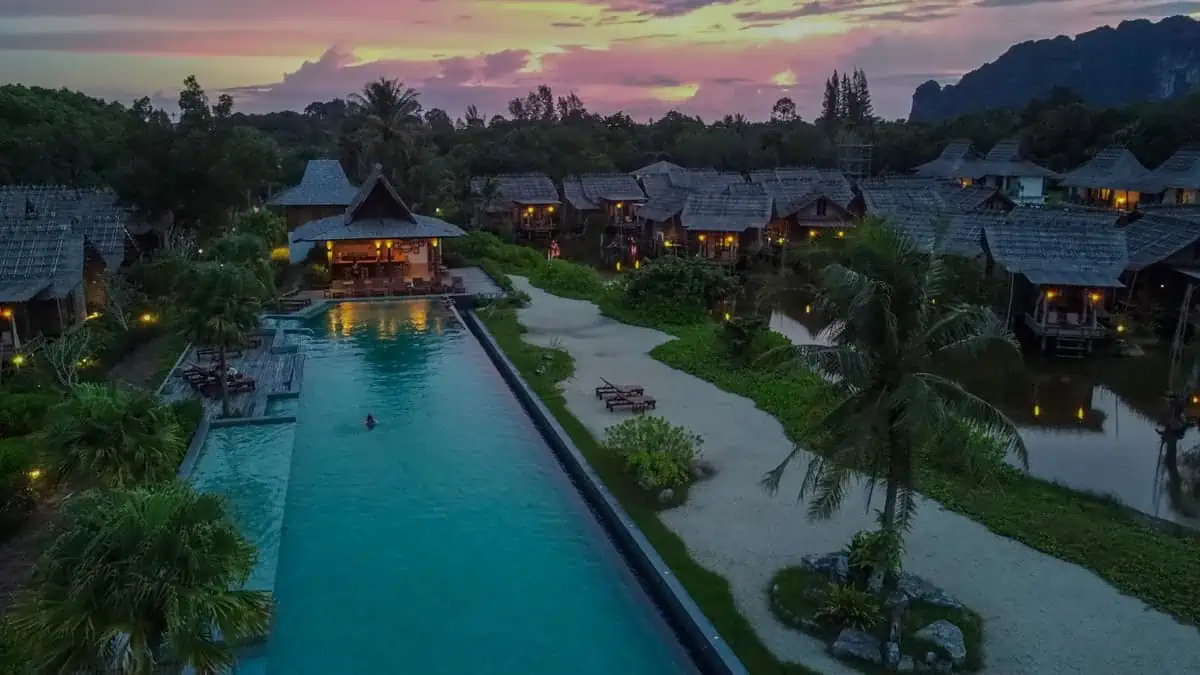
point(709, 651)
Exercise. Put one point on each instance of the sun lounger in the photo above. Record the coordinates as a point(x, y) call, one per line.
point(620, 390)
point(632, 402)
point(420, 286)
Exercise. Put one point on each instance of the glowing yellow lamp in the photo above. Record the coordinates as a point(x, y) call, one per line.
point(389, 243)
point(703, 237)
point(34, 474)
point(667, 244)
point(434, 243)
point(808, 309)
point(7, 313)
point(378, 245)
point(1094, 297)
point(637, 264)
point(1037, 410)
point(18, 360)
point(1079, 414)
point(550, 209)
point(618, 265)
point(729, 240)
point(726, 316)
point(841, 233)
point(812, 234)
point(329, 246)
point(1050, 295)
point(1120, 328)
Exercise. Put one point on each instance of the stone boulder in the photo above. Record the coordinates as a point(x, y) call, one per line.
point(857, 645)
point(947, 640)
point(833, 566)
point(920, 590)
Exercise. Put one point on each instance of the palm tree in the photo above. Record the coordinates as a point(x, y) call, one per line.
point(388, 116)
point(115, 436)
point(141, 581)
point(219, 305)
point(896, 351)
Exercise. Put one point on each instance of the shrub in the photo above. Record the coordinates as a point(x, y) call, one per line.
point(658, 453)
point(18, 456)
point(677, 290)
point(478, 246)
point(22, 414)
point(568, 280)
point(746, 338)
point(849, 607)
point(317, 276)
point(874, 550)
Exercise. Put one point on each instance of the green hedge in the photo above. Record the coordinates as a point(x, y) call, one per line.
point(1134, 556)
point(24, 413)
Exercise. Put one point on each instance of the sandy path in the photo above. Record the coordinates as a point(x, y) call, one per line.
point(1042, 615)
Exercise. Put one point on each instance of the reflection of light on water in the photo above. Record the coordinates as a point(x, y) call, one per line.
point(419, 316)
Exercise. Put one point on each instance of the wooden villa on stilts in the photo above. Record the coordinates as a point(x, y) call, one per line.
point(728, 226)
point(1063, 269)
point(324, 191)
point(1113, 179)
point(526, 204)
point(378, 245)
point(608, 199)
point(1180, 175)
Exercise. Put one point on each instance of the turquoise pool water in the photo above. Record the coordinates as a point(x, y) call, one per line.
point(448, 540)
point(250, 466)
point(281, 406)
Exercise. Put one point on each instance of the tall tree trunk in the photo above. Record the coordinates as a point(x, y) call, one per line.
point(223, 381)
point(896, 461)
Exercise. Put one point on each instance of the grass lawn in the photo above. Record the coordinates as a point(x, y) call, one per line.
point(543, 369)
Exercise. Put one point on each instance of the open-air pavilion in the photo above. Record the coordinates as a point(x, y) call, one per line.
point(379, 246)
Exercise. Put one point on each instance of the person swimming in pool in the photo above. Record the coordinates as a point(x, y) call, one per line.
point(371, 421)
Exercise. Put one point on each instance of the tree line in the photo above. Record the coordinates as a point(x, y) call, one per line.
point(205, 162)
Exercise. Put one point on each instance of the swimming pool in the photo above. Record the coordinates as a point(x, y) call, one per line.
point(448, 540)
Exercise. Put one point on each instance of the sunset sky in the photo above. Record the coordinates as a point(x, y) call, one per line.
point(705, 57)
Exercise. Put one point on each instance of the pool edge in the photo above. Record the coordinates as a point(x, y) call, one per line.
point(710, 652)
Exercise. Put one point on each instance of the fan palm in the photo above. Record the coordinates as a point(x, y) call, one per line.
point(219, 305)
point(114, 436)
point(141, 581)
point(895, 351)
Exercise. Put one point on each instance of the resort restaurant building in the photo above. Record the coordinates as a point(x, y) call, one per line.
point(378, 236)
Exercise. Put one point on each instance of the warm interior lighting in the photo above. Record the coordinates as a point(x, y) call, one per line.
point(1094, 297)
point(1050, 295)
point(1079, 413)
point(550, 209)
point(434, 242)
point(1037, 410)
point(841, 233)
point(378, 245)
point(729, 240)
point(620, 204)
point(34, 474)
point(390, 243)
point(280, 253)
point(329, 246)
point(18, 360)
point(529, 210)
point(7, 312)
point(1195, 399)
point(702, 237)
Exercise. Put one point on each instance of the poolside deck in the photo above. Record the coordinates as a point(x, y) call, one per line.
point(273, 373)
point(476, 281)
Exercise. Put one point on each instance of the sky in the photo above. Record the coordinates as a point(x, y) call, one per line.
point(646, 57)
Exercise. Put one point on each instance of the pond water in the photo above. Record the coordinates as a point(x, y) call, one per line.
point(1091, 425)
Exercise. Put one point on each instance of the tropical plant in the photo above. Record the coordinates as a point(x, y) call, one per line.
point(896, 351)
point(64, 356)
point(658, 453)
point(870, 551)
point(18, 474)
point(247, 250)
point(387, 116)
point(120, 296)
point(846, 606)
point(265, 225)
point(141, 581)
point(115, 436)
point(677, 290)
point(741, 335)
point(219, 305)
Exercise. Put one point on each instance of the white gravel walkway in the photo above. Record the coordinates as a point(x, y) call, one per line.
point(1042, 616)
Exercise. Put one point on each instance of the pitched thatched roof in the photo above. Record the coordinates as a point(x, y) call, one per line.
point(950, 163)
point(1182, 170)
point(664, 204)
point(886, 196)
point(588, 191)
point(523, 189)
point(791, 196)
point(1062, 248)
point(324, 184)
point(1115, 168)
point(376, 212)
point(92, 213)
point(952, 233)
point(787, 173)
point(1155, 237)
point(733, 210)
point(659, 168)
point(39, 261)
point(1005, 159)
point(705, 180)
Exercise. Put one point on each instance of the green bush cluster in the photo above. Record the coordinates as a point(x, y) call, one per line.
point(658, 453)
point(568, 280)
point(676, 290)
point(24, 413)
point(846, 606)
point(18, 497)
